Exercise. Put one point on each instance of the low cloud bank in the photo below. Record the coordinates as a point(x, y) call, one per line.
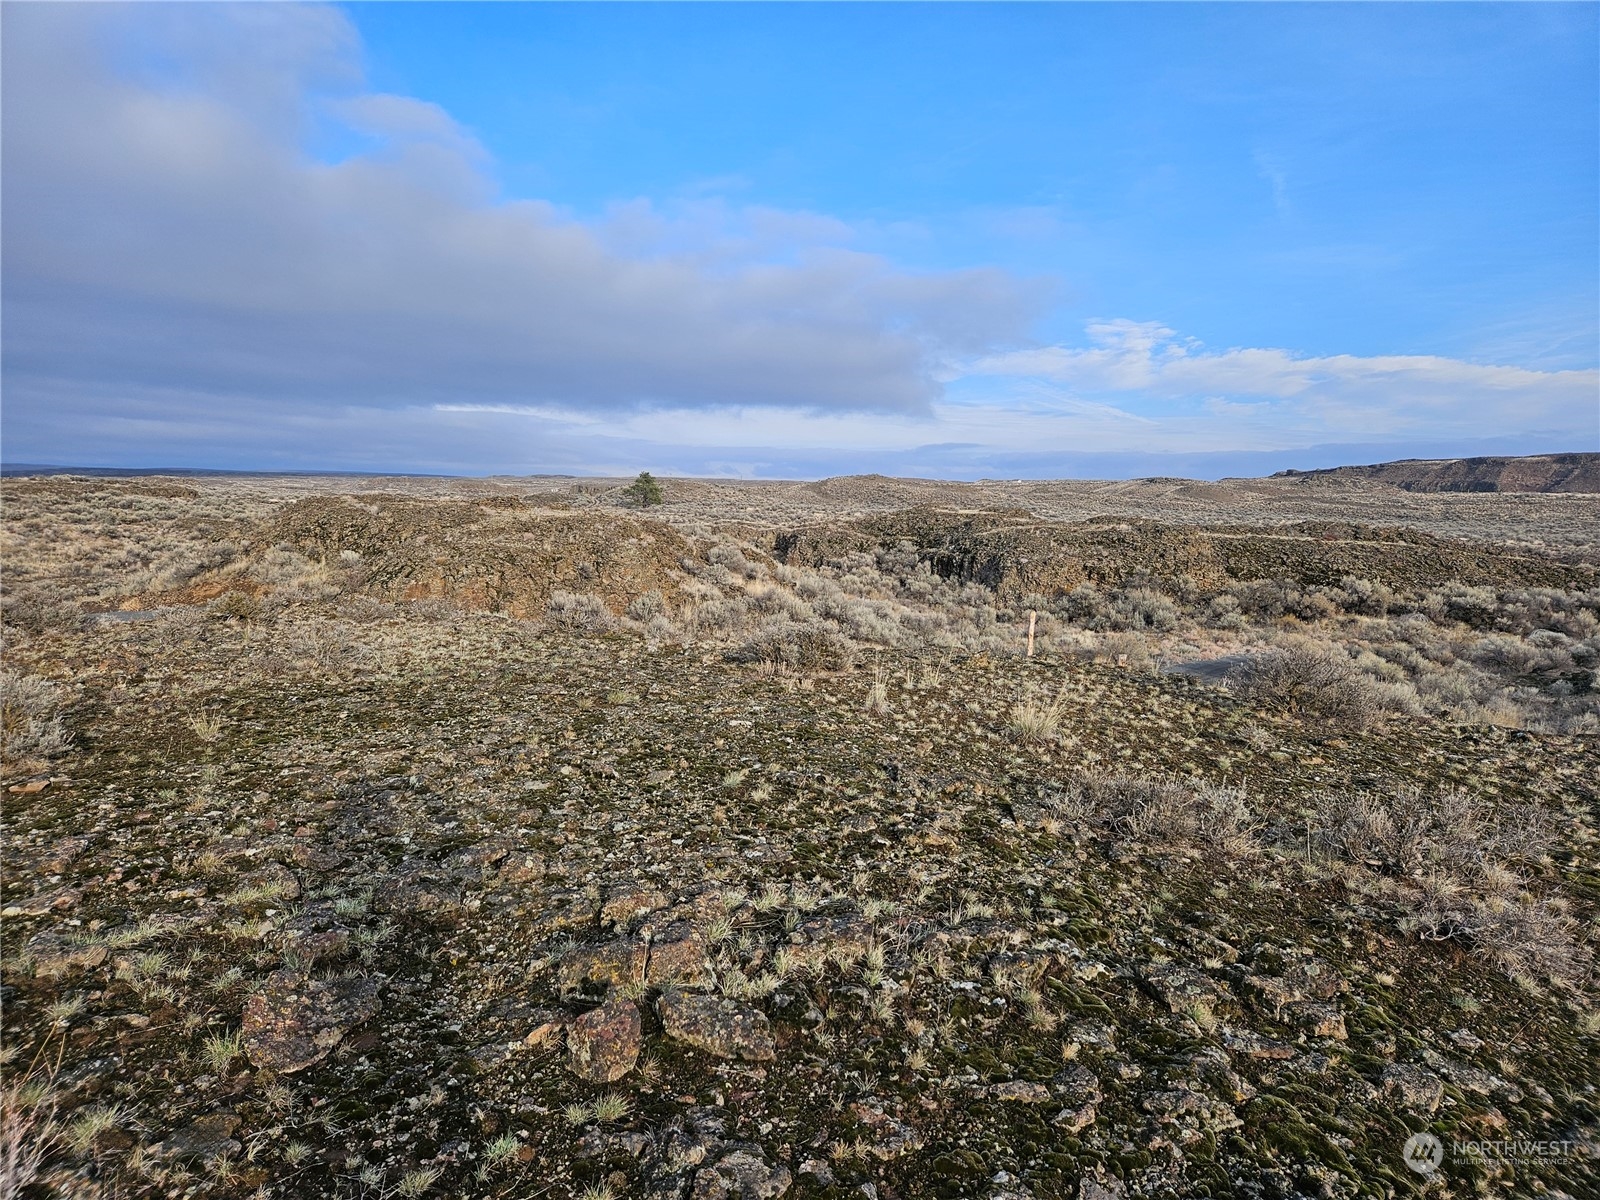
point(166, 227)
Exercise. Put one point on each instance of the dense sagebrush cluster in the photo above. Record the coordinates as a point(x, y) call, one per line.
point(1349, 653)
point(1514, 656)
point(1317, 683)
point(1456, 866)
point(1161, 811)
point(31, 724)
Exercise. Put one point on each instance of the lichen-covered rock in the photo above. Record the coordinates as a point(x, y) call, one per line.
point(603, 1045)
point(718, 1026)
point(522, 867)
point(1415, 1087)
point(56, 900)
point(1094, 1035)
point(1318, 1019)
point(472, 862)
point(64, 853)
point(680, 959)
point(209, 1137)
point(313, 938)
point(610, 965)
point(891, 1137)
point(1192, 1107)
point(1106, 1187)
point(544, 1027)
point(1254, 1045)
point(1474, 1079)
point(1307, 979)
point(1182, 988)
point(295, 1021)
point(627, 903)
point(1078, 1089)
point(741, 1174)
point(314, 857)
point(567, 912)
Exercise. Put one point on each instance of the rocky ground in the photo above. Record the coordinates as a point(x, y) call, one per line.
point(315, 890)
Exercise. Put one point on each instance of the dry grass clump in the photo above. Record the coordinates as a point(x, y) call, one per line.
point(31, 726)
point(1033, 719)
point(22, 1146)
point(878, 694)
point(28, 1131)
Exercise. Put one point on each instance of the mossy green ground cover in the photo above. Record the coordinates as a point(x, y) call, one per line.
point(941, 943)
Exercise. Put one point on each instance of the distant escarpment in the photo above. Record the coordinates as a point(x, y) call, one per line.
point(1533, 473)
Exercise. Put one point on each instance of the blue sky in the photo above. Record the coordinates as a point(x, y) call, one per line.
point(1340, 179)
point(951, 239)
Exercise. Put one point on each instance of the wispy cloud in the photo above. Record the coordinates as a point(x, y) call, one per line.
point(1147, 364)
point(1271, 169)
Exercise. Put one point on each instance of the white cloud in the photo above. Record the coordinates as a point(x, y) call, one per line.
point(1271, 169)
point(168, 228)
point(1147, 364)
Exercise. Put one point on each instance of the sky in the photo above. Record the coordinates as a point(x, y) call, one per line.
point(797, 240)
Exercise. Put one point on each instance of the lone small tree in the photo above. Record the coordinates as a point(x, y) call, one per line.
point(643, 491)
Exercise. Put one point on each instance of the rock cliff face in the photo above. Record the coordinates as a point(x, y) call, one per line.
point(1015, 554)
point(1534, 473)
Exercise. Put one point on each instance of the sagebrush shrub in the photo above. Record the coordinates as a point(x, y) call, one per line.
point(643, 608)
point(1163, 810)
point(580, 611)
point(797, 645)
point(36, 613)
point(31, 726)
point(1317, 683)
point(1446, 860)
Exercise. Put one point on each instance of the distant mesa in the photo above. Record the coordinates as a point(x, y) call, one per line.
point(1533, 473)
